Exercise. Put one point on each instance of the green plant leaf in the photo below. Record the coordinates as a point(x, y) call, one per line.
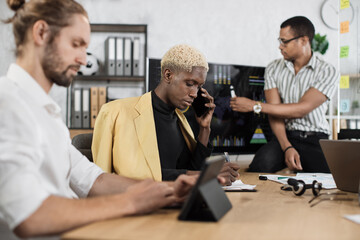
point(320, 44)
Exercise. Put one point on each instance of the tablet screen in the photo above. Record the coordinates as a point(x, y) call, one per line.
point(207, 200)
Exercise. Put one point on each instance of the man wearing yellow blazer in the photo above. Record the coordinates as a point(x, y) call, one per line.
point(148, 136)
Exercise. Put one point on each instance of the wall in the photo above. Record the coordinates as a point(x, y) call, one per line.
point(351, 64)
point(6, 40)
point(226, 31)
point(229, 31)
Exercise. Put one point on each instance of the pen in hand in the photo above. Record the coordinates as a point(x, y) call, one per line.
point(231, 169)
point(232, 91)
point(227, 159)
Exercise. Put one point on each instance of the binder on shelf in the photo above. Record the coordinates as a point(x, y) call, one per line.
point(85, 108)
point(94, 101)
point(119, 56)
point(110, 55)
point(102, 97)
point(136, 56)
point(127, 56)
point(77, 109)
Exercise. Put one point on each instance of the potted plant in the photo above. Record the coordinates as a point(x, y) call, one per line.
point(320, 44)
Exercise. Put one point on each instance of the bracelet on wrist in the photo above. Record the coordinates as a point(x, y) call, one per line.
point(288, 148)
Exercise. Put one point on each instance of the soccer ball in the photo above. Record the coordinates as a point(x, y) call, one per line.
point(91, 67)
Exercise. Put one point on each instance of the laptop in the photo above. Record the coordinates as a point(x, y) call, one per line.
point(343, 158)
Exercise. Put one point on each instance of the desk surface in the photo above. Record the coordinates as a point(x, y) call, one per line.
point(265, 214)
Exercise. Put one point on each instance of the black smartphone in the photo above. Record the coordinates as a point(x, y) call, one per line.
point(199, 104)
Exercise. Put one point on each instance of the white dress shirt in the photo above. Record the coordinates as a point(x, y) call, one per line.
point(37, 158)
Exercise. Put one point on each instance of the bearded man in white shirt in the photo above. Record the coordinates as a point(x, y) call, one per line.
point(41, 174)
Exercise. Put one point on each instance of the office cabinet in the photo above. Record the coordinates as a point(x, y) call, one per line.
point(116, 67)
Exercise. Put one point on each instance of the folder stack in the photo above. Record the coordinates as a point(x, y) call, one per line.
point(86, 104)
point(123, 56)
point(98, 98)
point(121, 49)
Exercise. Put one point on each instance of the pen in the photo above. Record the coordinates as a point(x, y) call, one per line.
point(263, 177)
point(279, 178)
point(227, 159)
point(232, 91)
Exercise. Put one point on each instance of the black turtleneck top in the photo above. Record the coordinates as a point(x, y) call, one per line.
point(175, 156)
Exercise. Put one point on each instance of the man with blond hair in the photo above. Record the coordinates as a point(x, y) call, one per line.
point(148, 136)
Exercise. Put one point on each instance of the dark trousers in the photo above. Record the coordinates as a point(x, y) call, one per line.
point(270, 157)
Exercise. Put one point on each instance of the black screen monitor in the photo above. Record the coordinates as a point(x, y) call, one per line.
point(232, 132)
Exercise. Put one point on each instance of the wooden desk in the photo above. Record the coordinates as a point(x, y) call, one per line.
point(269, 213)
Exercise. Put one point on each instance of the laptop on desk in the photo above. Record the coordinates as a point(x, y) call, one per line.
point(343, 158)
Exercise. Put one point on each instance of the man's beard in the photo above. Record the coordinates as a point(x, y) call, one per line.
point(287, 58)
point(51, 63)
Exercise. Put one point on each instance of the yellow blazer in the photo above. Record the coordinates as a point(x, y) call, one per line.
point(125, 141)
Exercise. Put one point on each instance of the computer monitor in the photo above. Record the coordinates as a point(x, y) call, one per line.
point(232, 132)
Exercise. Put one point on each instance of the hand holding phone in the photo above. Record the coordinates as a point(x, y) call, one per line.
point(199, 104)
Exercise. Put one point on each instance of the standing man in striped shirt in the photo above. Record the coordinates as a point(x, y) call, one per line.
point(297, 88)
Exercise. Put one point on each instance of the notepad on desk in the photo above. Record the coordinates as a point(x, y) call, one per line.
point(326, 179)
point(239, 186)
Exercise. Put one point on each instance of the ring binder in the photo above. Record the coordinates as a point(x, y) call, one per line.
point(127, 57)
point(110, 47)
point(119, 56)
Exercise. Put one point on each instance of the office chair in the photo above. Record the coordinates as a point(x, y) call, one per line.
point(349, 134)
point(83, 143)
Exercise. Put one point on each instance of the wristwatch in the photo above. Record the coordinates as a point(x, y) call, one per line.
point(257, 107)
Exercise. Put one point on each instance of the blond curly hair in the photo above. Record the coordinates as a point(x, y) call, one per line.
point(182, 58)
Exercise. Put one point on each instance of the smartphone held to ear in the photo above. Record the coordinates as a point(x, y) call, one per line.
point(199, 104)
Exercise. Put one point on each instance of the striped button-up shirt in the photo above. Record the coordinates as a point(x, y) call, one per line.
point(316, 74)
